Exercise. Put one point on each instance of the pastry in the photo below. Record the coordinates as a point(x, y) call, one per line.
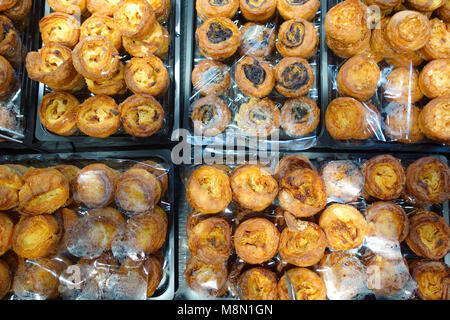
point(206, 279)
point(74, 7)
point(135, 19)
point(344, 118)
point(6, 232)
point(161, 8)
point(19, 11)
point(114, 86)
point(434, 80)
point(258, 284)
point(378, 41)
point(444, 11)
point(210, 116)
point(304, 285)
point(157, 43)
point(290, 163)
point(258, 117)
point(207, 9)
point(437, 47)
point(5, 278)
point(102, 7)
point(147, 75)
point(211, 77)
point(300, 116)
point(402, 86)
point(154, 274)
point(7, 76)
point(402, 123)
point(58, 112)
point(408, 59)
point(7, 4)
point(387, 221)
point(61, 28)
point(349, 49)
point(254, 77)
point(432, 119)
point(297, 38)
point(257, 40)
point(99, 25)
point(425, 5)
point(372, 123)
point(293, 9)
point(432, 279)
point(159, 171)
point(258, 10)
point(385, 5)
point(294, 77)
point(11, 46)
point(70, 172)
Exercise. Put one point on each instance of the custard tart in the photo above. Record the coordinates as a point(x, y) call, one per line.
point(387, 221)
point(135, 19)
point(61, 28)
point(147, 75)
point(432, 279)
point(301, 284)
point(258, 284)
point(58, 112)
point(344, 118)
point(157, 43)
point(101, 25)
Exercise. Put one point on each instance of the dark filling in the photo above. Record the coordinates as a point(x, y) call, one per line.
point(297, 2)
point(218, 3)
point(207, 113)
point(258, 115)
point(217, 33)
point(299, 112)
point(295, 76)
point(256, 3)
point(255, 73)
point(296, 34)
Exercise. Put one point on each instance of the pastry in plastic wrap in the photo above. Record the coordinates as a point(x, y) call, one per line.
point(432, 279)
point(256, 240)
point(258, 117)
point(344, 118)
point(293, 9)
point(160, 172)
point(207, 9)
point(102, 7)
point(211, 77)
point(70, 172)
point(387, 221)
point(58, 112)
point(434, 79)
point(254, 77)
point(74, 7)
point(402, 123)
point(301, 284)
point(372, 123)
point(437, 47)
point(406, 60)
point(425, 5)
point(257, 40)
point(218, 38)
point(297, 38)
point(429, 235)
point(208, 190)
point(432, 119)
point(7, 76)
point(290, 163)
point(114, 86)
point(10, 185)
point(300, 116)
point(157, 43)
point(135, 18)
point(147, 75)
point(402, 86)
point(98, 116)
point(258, 10)
point(210, 116)
point(258, 284)
point(206, 279)
point(99, 25)
point(61, 28)
point(6, 232)
point(294, 77)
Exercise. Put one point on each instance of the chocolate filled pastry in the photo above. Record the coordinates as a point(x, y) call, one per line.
point(206, 279)
point(437, 47)
point(432, 119)
point(343, 180)
point(19, 11)
point(99, 25)
point(384, 177)
point(5, 278)
point(257, 40)
point(141, 116)
point(157, 43)
point(402, 86)
point(208, 190)
point(146, 232)
point(256, 240)
point(408, 31)
point(427, 182)
point(305, 285)
point(98, 116)
point(135, 18)
point(102, 7)
point(293, 9)
point(407, 60)
point(61, 28)
point(344, 118)
point(7, 76)
point(302, 192)
point(253, 186)
point(258, 284)
point(10, 44)
point(6, 232)
point(258, 10)
point(444, 11)
point(386, 220)
point(297, 38)
point(207, 9)
point(70, 172)
point(290, 163)
point(10, 185)
point(43, 191)
point(147, 75)
point(74, 7)
point(349, 49)
point(402, 123)
point(137, 190)
point(371, 124)
point(161, 8)
point(434, 80)
point(94, 185)
point(114, 86)
point(303, 246)
point(211, 77)
point(294, 77)
point(36, 236)
point(210, 116)
point(300, 116)
point(58, 112)
point(343, 274)
point(344, 226)
point(218, 38)
point(254, 77)
point(425, 5)
point(432, 279)
point(210, 240)
point(258, 117)
point(160, 172)
point(358, 78)
point(96, 58)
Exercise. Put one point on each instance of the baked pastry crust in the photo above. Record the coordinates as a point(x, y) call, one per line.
point(7, 76)
point(407, 60)
point(307, 285)
point(402, 124)
point(344, 118)
point(74, 7)
point(253, 186)
point(388, 221)
point(101, 25)
point(208, 9)
point(432, 279)
point(432, 119)
point(211, 77)
point(7, 4)
point(290, 163)
point(58, 112)
point(102, 7)
point(160, 172)
point(294, 77)
point(161, 8)
point(210, 116)
point(70, 172)
point(218, 38)
point(157, 43)
point(6, 232)
point(254, 77)
point(147, 75)
point(256, 240)
point(61, 28)
point(135, 19)
point(258, 284)
point(292, 9)
point(434, 80)
point(349, 49)
point(19, 11)
point(297, 38)
point(444, 11)
point(437, 47)
point(258, 117)
point(300, 116)
point(10, 44)
point(371, 124)
point(426, 5)
point(257, 40)
point(5, 279)
point(208, 190)
point(378, 41)
point(114, 86)
point(154, 272)
point(384, 5)
point(344, 226)
point(402, 86)
point(206, 279)
point(258, 10)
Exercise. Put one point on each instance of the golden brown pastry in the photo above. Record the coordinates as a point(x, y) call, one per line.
point(7, 76)
point(99, 25)
point(19, 11)
point(208, 190)
point(147, 75)
point(58, 112)
point(36, 236)
point(402, 86)
point(5, 278)
point(432, 279)
point(159, 171)
point(385, 5)
point(94, 185)
point(290, 163)
point(207, 9)
point(154, 272)
point(378, 41)
point(102, 7)
point(384, 177)
point(10, 184)
point(302, 192)
point(257, 40)
point(349, 49)
point(254, 77)
point(6, 232)
point(206, 279)
point(297, 38)
point(294, 77)
point(210, 240)
point(344, 226)
point(300, 116)
point(98, 116)
point(74, 7)
point(437, 47)
point(433, 119)
point(402, 123)
point(425, 5)
point(218, 38)
point(211, 77)
point(61, 28)
point(444, 11)
point(135, 19)
point(10, 44)
point(434, 79)
point(293, 9)
point(256, 240)
point(157, 43)
point(253, 186)
point(114, 86)
point(210, 116)
point(6, 4)
point(386, 220)
point(305, 284)
point(344, 118)
point(258, 284)
point(70, 172)
point(409, 59)
point(258, 10)
point(258, 117)
point(161, 8)
point(43, 191)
